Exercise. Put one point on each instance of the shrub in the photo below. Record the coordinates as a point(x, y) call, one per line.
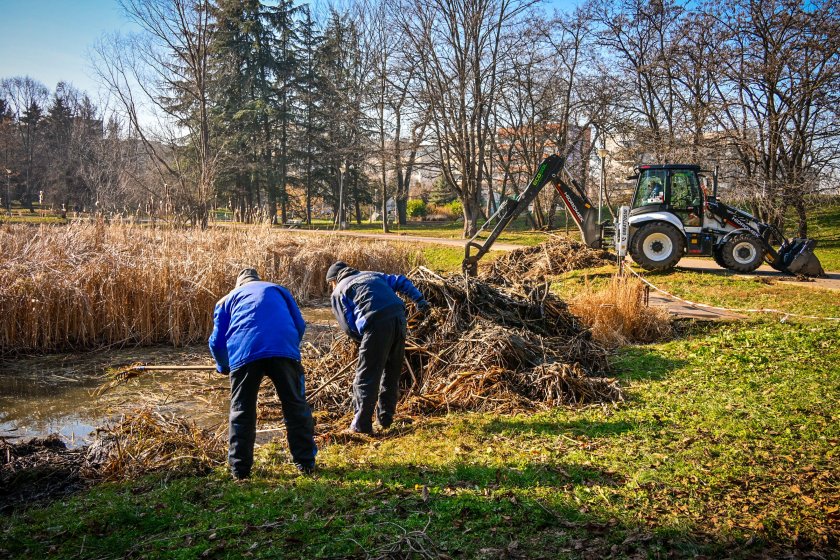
point(456, 208)
point(416, 208)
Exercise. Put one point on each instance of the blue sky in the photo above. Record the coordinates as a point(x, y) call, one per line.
point(49, 40)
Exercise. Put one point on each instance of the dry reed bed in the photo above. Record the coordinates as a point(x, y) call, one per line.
point(88, 285)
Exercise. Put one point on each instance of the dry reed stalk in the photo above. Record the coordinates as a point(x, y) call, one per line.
point(617, 314)
point(87, 285)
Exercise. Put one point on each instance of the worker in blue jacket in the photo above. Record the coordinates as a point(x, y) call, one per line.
point(368, 309)
point(257, 329)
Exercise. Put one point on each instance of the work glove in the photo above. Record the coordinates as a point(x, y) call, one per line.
point(423, 307)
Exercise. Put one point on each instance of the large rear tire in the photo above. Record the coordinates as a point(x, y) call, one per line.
point(657, 246)
point(718, 256)
point(742, 253)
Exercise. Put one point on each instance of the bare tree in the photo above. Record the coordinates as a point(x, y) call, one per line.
point(458, 45)
point(553, 91)
point(161, 79)
point(780, 63)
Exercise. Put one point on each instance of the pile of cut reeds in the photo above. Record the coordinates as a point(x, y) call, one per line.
point(556, 256)
point(88, 285)
point(484, 347)
point(139, 443)
point(147, 441)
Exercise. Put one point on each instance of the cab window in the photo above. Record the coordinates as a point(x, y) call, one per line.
point(651, 188)
point(685, 190)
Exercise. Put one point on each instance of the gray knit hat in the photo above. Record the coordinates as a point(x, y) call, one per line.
point(334, 269)
point(247, 275)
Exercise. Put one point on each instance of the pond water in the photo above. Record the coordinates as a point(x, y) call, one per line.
point(58, 393)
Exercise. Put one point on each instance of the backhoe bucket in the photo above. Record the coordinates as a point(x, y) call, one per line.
point(797, 257)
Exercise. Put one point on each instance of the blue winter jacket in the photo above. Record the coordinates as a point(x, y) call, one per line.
point(257, 320)
point(360, 297)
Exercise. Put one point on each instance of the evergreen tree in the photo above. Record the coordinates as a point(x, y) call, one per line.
point(284, 53)
point(243, 97)
point(308, 106)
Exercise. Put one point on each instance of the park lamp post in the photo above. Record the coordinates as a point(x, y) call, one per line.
point(342, 222)
point(9, 191)
point(602, 153)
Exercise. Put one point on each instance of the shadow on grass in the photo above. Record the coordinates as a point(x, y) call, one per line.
point(641, 363)
point(476, 477)
point(458, 511)
point(382, 507)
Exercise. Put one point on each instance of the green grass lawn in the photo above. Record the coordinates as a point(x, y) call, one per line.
point(726, 446)
point(31, 219)
point(825, 228)
point(518, 232)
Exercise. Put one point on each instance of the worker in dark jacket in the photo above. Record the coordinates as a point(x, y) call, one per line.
point(368, 309)
point(257, 329)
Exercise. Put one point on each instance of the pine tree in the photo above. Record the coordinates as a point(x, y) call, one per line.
point(285, 47)
point(308, 106)
point(244, 101)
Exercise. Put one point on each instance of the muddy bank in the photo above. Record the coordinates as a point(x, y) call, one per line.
point(56, 393)
point(59, 434)
point(41, 468)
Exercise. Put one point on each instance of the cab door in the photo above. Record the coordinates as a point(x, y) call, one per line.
point(685, 199)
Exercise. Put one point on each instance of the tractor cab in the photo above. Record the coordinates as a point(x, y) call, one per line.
point(674, 189)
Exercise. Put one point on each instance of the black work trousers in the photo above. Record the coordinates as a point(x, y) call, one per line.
point(378, 373)
point(288, 379)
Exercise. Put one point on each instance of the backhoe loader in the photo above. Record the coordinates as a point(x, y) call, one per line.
point(671, 215)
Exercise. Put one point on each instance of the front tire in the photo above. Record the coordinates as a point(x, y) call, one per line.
point(742, 253)
point(657, 246)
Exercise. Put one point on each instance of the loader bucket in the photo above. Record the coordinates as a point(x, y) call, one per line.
point(797, 257)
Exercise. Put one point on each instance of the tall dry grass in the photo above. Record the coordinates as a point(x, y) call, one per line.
point(88, 285)
point(617, 315)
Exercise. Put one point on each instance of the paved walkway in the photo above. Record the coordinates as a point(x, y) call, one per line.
point(685, 311)
point(402, 237)
point(831, 281)
point(675, 307)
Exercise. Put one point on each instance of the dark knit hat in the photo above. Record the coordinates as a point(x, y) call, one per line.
point(334, 269)
point(247, 275)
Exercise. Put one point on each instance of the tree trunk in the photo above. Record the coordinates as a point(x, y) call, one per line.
point(802, 225)
point(472, 210)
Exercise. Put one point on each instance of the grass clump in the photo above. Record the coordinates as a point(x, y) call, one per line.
point(87, 285)
point(617, 315)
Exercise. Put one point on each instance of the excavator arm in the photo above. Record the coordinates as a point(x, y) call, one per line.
point(551, 170)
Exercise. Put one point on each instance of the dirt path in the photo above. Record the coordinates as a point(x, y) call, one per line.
point(830, 282)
